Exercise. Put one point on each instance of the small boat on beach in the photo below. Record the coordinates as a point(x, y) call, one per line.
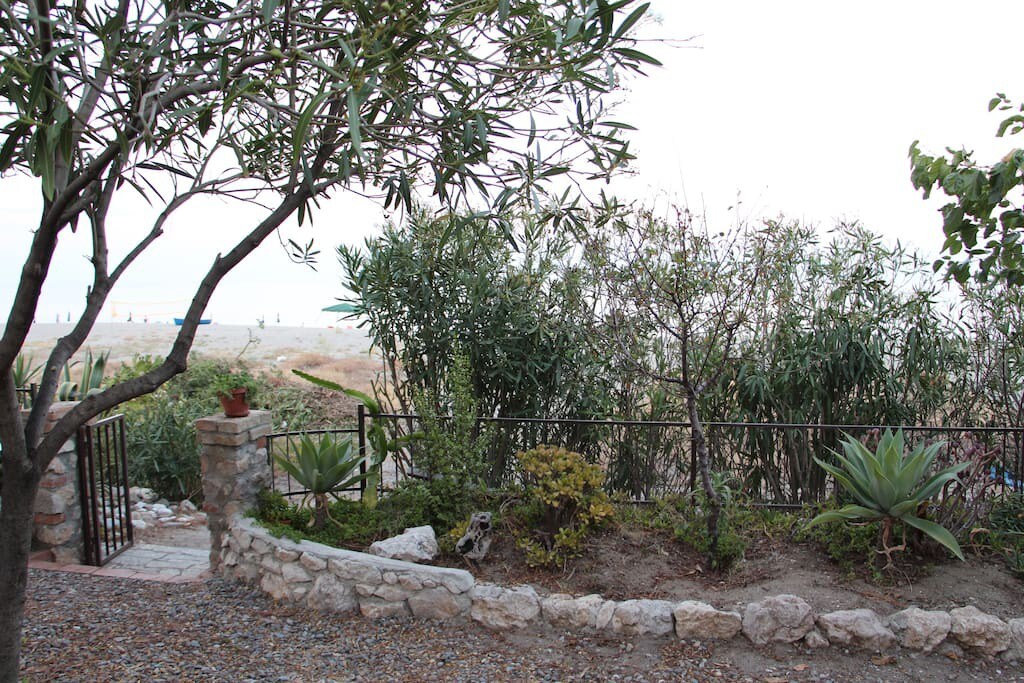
point(202, 321)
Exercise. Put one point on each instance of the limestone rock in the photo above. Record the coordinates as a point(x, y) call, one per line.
point(701, 620)
point(49, 503)
point(418, 544)
point(815, 640)
point(331, 595)
point(292, 572)
point(56, 534)
point(438, 603)
point(978, 631)
point(778, 619)
point(375, 608)
point(475, 543)
point(642, 617)
point(565, 611)
point(919, 629)
point(857, 627)
point(274, 586)
point(1015, 653)
point(391, 592)
point(504, 608)
point(138, 493)
point(312, 562)
point(354, 571)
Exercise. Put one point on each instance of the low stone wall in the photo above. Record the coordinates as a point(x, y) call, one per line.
point(334, 580)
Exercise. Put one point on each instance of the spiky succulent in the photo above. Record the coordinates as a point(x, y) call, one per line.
point(323, 467)
point(890, 485)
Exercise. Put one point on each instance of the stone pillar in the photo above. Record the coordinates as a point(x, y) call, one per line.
point(58, 506)
point(233, 458)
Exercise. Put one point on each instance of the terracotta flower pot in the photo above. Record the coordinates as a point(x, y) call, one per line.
point(234, 405)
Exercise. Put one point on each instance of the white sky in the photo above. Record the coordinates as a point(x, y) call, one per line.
point(801, 108)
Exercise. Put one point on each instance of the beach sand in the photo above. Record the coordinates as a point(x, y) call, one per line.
point(338, 353)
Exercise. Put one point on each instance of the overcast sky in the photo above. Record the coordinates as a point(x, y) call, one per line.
point(800, 108)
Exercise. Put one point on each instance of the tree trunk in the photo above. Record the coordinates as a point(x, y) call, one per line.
point(18, 497)
point(320, 511)
point(704, 463)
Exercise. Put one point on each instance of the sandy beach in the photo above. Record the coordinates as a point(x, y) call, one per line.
point(270, 346)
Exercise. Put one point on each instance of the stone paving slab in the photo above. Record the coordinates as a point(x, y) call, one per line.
point(160, 559)
point(144, 562)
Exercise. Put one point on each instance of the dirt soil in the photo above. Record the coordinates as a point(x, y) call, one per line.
point(634, 563)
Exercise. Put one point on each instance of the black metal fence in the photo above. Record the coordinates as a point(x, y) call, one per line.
point(285, 445)
point(768, 463)
point(27, 395)
point(103, 490)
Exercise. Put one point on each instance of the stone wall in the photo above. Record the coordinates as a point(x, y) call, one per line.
point(334, 580)
point(58, 508)
point(233, 460)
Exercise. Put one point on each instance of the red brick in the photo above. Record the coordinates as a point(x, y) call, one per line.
point(54, 481)
point(50, 519)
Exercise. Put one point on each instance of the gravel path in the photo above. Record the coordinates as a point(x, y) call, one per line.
point(86, 628)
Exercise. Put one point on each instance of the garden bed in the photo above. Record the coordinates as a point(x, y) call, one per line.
point(631, 560)
point(624, 563)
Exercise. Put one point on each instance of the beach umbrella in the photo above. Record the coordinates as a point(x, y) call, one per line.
point(340, 308)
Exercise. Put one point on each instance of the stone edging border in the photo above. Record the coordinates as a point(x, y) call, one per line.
point(335, 580)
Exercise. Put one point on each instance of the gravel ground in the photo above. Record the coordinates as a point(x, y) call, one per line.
point(85, 628)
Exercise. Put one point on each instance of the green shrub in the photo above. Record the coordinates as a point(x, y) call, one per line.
point(685, 517)
point(355, 526)
point(161, 442)
point(1007, 513)
point(226, 382)
point(442, 503)
point(323, 467)
point(1006, 524)
point(456, 448)
point(563, 502)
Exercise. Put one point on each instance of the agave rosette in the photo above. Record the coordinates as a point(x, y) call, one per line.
point(325, 466)
point(890, 484)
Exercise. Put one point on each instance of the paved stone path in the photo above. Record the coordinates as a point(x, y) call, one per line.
point(163, 560)
point(144, 561)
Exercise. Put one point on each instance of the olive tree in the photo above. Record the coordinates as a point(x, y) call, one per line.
point(477, 102)
point(689, 292)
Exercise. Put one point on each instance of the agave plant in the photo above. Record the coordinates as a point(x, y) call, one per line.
point(375, 434)
point(91, 381)
point(891, 486)
point(25, 370)
point(323, 468)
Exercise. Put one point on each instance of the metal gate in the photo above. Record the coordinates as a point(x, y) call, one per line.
point(103, 489)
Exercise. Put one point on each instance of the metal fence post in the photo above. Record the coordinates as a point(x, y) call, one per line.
point(361, 425)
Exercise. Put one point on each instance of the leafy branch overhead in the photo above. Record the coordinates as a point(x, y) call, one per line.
point(276, 104)
point(984, 222)
point(469, 98)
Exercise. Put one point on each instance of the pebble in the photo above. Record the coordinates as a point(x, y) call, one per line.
point(224, 631)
